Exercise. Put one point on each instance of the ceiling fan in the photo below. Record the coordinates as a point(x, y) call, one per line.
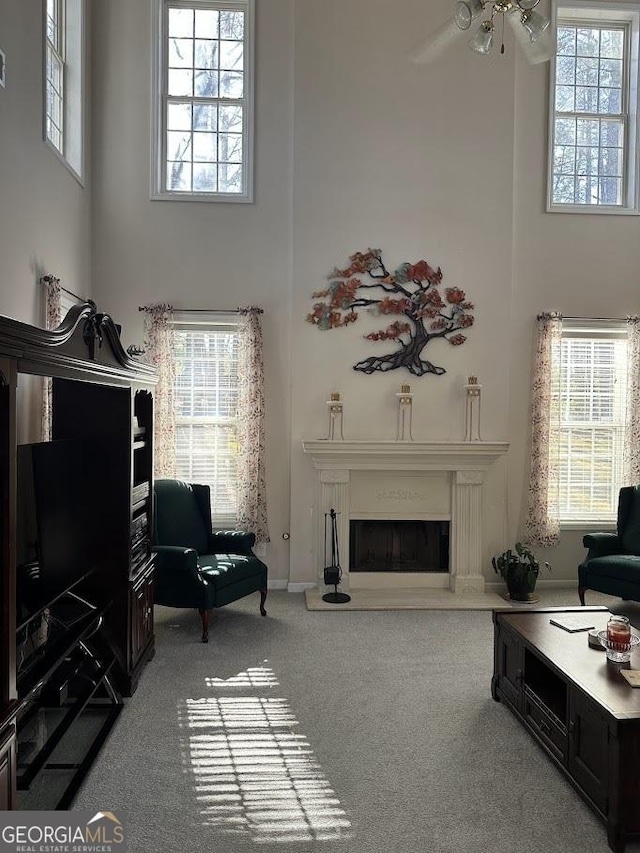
point(532, 29)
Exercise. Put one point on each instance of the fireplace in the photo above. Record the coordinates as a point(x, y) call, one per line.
point(398, 481)
point(398, 546)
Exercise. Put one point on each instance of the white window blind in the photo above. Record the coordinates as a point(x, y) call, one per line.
point(206, 401)
point(592, 422)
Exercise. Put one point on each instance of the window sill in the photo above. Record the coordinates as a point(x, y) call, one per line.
point(233, 198)
point(589, 526)
point(592, 209)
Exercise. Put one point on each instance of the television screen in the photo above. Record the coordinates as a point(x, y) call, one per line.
point(58, 539)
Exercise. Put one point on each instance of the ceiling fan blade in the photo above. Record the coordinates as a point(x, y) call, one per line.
point(538, 51)
point(436, 43)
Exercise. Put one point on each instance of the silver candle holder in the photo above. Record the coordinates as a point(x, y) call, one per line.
point(335, 409)
point(472, 410)
point(404, 414)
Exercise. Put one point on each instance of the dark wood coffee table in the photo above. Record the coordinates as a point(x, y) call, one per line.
point(578, 707)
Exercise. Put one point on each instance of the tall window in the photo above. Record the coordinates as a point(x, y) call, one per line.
point(203, 100)
point(206, 402)
point(64, 81)
point(592, 407)
point(594, 101)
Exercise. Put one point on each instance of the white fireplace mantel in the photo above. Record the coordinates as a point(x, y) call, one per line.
point(410, 478)
point(405, 455)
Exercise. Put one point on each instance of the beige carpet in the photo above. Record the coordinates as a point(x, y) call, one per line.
point(441, 599)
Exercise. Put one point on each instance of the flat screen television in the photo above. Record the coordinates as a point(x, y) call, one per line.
point(58, 528)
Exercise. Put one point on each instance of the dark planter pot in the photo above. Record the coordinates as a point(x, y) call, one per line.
point(521, 581)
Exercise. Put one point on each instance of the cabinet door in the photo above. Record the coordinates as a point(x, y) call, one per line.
point(7, 769)
point(507, 677)
point(141, 617)
point(588, 760)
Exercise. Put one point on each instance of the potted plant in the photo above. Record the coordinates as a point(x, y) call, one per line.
point(519, 569)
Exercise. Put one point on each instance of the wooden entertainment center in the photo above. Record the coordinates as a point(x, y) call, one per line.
point(577, 706)
point(74, 636)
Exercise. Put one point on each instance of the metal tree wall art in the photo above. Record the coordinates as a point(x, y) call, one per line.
point(411, 293)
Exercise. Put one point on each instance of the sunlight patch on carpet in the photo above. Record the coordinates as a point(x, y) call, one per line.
point(253, 774)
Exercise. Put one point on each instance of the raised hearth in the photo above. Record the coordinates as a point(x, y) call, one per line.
point(393, 480)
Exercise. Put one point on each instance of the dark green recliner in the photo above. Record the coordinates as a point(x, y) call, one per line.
point(195, 566)
point(613, 562)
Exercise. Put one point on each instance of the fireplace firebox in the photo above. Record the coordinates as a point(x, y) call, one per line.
point(398, 546)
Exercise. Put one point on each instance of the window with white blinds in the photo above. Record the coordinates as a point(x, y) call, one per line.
point(206, 404)
point(592, 400)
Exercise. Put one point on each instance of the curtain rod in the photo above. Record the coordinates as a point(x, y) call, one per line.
point(202, 310)
point(598, 319)
point(50, 278)
point(586, 319)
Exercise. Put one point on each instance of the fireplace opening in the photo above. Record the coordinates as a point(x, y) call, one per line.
point(398, 546)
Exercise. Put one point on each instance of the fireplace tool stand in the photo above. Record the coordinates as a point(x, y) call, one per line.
point(333, 572)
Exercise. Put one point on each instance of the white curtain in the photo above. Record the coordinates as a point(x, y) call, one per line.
point(542, 525)
point(631, 457)
point(52, 319)
point(252, 488)
point(160, 347)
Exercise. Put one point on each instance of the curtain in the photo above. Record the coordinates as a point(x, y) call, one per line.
point(53, 318)
point(159, 343)
point(631, 456)
point(252, 490)
point(542, 525)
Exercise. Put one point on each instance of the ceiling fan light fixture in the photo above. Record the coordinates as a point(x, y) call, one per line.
point(466, 11)
point(535, 24)
point(483, 38)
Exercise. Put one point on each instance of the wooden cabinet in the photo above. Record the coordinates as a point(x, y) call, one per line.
point(507, 677)
point(141, 617)
point(578, 707)
point(7, 768)
point(102, 399)
point(588, 759)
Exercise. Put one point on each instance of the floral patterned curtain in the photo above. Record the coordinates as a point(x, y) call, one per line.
point(252, 489)
point(631, 458)
point(53, 318)
point(160, 344)
point(542, 525)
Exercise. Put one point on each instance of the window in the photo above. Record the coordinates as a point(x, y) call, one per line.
point(203, 100)
point(594, 107)
point(591, 398)
point(64, 81)
point(206, 404)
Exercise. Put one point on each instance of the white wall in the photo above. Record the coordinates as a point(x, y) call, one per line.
point(45, 218)
point(582, 265)
point(198, 255)
point(417, 161)
point(356, 147)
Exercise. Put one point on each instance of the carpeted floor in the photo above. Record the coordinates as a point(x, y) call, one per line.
point(360, 731)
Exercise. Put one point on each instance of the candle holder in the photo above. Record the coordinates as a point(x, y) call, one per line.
point(404, 414)
point(335, 409)
point(472, 410)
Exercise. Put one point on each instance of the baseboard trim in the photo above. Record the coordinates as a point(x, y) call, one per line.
point(497, 586)
point(300, 586)
point(277, 584)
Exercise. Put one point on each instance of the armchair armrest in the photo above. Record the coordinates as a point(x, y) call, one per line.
point(232, 542)
point(176, 558)
point(178, 582)
point(602, 544)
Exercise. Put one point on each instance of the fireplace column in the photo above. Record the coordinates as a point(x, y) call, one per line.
point(334, 492)
point(466, 536)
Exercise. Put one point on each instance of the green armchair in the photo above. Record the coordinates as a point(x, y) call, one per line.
point(612, 564)
point(196, 566)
